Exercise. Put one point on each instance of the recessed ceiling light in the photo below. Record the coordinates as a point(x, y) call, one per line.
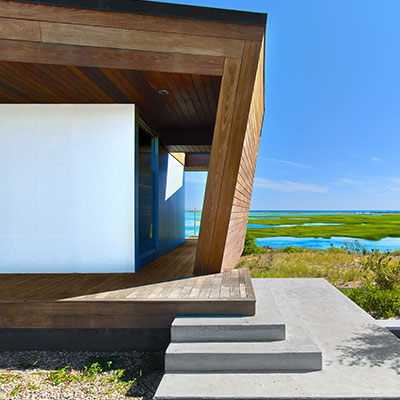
point(163, 92)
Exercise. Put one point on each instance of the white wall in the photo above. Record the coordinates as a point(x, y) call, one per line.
point(175, 171)
point(66, 188)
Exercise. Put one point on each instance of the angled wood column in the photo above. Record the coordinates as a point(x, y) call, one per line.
point(219, 243)
point(245, 179)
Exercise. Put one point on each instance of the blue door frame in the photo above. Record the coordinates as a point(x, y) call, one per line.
point(142, 259)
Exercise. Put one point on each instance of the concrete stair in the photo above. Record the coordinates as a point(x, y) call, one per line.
point(240, 344)
point(226, 329)
point(219, 351)
point(237, 357)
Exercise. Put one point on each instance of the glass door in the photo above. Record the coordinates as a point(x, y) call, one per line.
point(146, 208)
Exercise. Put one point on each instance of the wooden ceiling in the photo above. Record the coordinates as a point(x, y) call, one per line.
point(197, 161)
point(186, 116)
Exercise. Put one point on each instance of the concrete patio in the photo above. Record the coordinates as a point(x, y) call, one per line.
point(361, 359)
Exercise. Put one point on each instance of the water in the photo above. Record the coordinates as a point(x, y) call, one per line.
point(286, 226)
point(315, 243)
point(189, 223)
point(385, 244)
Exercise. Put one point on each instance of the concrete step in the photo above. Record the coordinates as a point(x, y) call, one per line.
point(279, 356)
point(187, 330)
point(267, 325)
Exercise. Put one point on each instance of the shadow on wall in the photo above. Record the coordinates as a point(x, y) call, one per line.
point(373, 346)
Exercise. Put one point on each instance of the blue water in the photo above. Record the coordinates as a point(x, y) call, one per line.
point(189, 223)
point(315, 243)
point(385, 244)
point(287, 225)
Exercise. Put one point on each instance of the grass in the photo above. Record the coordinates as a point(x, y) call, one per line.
point(371, 280)
point(360, 226)
point(379, 303)
point(339, 267)
point(99, 371)
point(101, 377)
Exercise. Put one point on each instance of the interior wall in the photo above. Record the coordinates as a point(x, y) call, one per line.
point(66, 188)
point(171, 202)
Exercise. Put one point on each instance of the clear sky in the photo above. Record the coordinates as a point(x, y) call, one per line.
point(331, 133)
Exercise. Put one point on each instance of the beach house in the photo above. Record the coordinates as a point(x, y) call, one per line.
point(105, 105)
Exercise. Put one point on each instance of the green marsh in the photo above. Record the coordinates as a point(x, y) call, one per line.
point(358, 226)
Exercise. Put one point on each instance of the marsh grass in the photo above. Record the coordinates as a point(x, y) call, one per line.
point(371, 280)
point(341, 268)
point(361, 226)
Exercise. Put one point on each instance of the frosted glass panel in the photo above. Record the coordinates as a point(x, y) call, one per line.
point(66, 188)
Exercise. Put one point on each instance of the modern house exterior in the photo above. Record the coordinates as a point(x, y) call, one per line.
point(104, 106)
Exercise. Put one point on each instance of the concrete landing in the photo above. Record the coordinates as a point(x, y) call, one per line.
point(361, 358)
point(266, 325)
point(393, 325)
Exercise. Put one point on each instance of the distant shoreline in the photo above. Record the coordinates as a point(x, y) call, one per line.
point(319, 211)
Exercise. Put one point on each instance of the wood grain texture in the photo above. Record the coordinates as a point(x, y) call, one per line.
point(197, 161)
point(20, 29)
point(131, 39)
point(244, 184)
point(150, 298)
point(85, 56)
point(47, 83)
point(225, 163)
point(189, 148)
point(129, 21)
point(226, 104)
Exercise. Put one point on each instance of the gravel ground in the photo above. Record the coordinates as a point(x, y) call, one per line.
point(69, 375)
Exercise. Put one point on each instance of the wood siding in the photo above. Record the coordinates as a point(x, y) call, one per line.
point(244, 184)
point(232, 161)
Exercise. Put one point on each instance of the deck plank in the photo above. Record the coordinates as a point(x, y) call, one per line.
point(235, 291)
point(150, 298)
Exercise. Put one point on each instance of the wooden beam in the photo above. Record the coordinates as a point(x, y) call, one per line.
point(19, 29)
point(84, 56)
point(49, 13)
point(132, 39)
point(188, 148)
point(229, 135)
point(197, 168)
point(197, 161)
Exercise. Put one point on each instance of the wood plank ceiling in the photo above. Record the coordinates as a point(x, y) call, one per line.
point(184, 117)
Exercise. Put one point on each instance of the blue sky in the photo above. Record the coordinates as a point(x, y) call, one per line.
point(331, 133)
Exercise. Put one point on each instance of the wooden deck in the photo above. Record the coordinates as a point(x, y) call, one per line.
point(150, 298)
